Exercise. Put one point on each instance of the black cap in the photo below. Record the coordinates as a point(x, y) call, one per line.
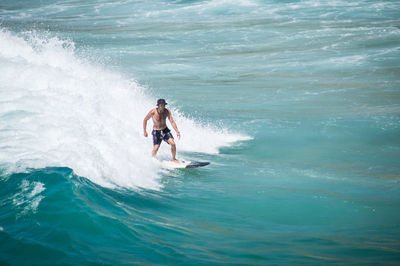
point(161, 101)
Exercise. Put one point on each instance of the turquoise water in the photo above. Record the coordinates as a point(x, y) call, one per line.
point(295, 103)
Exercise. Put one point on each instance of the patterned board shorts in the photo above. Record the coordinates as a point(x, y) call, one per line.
point(159, 135)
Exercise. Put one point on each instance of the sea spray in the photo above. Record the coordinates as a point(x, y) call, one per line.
point(59, 109)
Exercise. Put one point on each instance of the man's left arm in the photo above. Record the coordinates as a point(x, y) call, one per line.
point(173, 124)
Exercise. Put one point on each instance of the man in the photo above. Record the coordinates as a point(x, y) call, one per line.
point(160, 130)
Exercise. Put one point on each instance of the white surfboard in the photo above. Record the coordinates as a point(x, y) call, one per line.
point(183, 164)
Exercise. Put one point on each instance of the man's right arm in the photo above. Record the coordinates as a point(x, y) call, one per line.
point(148, 116)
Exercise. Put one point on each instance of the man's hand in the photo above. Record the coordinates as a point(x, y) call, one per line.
point(178, 134)
point(145, 134)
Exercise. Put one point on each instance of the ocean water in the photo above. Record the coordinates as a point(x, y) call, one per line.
point(296, 104)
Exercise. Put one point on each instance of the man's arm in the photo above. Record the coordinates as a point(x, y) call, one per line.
point(173, 124)
point(148, 116)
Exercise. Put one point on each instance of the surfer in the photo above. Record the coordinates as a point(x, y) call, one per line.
point(160, 130)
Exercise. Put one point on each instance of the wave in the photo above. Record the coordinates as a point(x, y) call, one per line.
point(60, 109)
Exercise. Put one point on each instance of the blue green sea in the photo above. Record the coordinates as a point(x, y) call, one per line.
point(296, 104)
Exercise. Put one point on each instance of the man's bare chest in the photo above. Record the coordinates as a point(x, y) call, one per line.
point(160, 117)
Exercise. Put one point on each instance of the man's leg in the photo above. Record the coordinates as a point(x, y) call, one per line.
point(173, 149)
point(155, 150)
point(156, 141)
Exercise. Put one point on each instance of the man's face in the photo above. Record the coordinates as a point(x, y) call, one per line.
point(161, 107)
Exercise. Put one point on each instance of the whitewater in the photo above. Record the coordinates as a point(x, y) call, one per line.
point(60, 110)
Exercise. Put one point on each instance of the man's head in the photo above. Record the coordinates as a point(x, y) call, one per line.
point(161, 103)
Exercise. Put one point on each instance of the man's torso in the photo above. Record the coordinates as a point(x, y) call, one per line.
point(160, 119)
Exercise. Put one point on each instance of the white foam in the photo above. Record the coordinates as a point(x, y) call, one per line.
point(57, 109)
point(348, 60)
point(28, 198)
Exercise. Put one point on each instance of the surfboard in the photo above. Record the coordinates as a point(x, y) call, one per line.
point(183, 164)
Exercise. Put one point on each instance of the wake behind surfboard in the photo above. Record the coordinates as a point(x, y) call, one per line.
point(183, 164)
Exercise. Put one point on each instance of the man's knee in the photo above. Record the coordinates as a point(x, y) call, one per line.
point(171, 142)
point(156, 147)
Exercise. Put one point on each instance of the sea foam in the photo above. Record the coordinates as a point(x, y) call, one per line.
point(59, 109)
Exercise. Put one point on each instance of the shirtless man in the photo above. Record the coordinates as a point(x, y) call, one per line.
point(160, 130)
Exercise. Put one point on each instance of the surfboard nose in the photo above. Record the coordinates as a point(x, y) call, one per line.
point(197, 164)
point(183, 164)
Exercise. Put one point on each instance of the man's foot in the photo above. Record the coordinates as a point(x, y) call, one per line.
point(175, 161)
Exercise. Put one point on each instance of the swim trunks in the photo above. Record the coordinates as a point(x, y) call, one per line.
point(159, 135)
